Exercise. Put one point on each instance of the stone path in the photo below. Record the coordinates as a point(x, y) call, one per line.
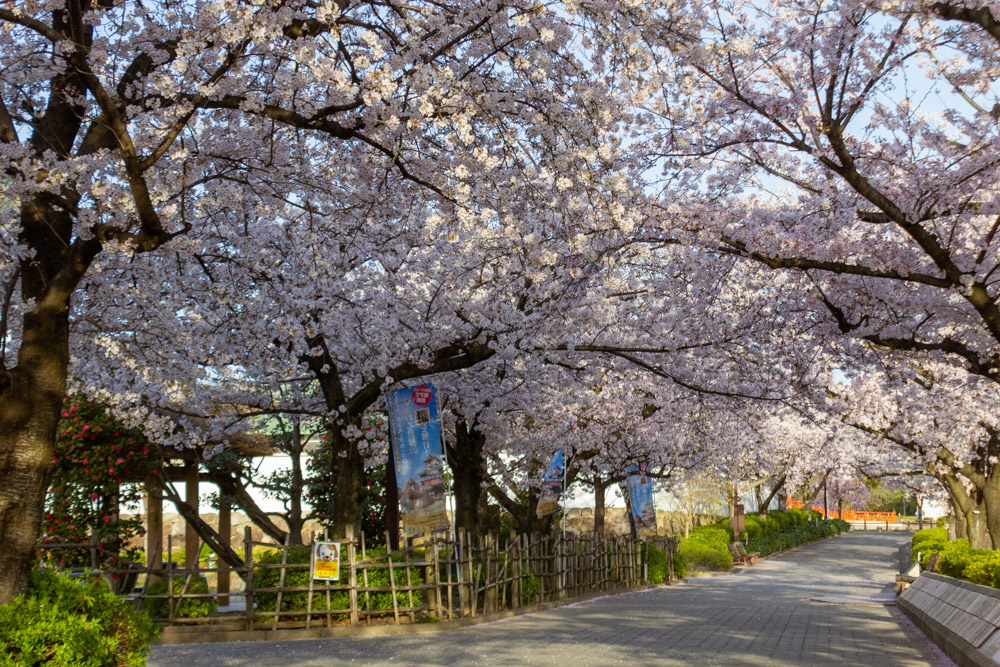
point(762, 616)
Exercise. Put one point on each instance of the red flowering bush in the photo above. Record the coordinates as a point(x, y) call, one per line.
point(97, 470)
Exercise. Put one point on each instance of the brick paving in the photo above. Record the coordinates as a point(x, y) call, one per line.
point(762, 616)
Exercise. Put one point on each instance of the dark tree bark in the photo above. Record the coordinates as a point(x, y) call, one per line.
point(600, 509)
point(468, 467)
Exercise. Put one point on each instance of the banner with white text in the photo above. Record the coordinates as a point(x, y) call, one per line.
point(417, 451)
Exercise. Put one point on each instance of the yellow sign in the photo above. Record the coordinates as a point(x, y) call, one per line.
point(326, 561)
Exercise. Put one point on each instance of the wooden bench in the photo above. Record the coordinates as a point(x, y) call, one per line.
point(741, 556)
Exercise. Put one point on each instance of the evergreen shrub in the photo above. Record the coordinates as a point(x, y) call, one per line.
point(67, 622)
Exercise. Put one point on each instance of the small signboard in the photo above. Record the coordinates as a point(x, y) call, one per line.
point(326, 561)
point(419, 458)
point(548, 500)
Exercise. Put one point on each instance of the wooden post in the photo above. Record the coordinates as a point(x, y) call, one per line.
point(312, 564)
point(191, 540)
point(281, 581)
point(460, 572)
point(170, 579)
point(364, 576)
point(225, 532)
point(248, 579)
point(352, 565)
point(434, 594)
point(409, 579)
point(449, 548)
point(392, 583)
point(154, 527)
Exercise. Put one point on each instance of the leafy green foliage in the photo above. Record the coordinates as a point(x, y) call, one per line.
point(657, 564)
point(984, 570)
point(185, 608)
point(299, 600)
point(795, 535)
point(92, 462)
point(72, 623)
point(926, 542)
point(957, 556)
point(958, 559)
point(706, 548)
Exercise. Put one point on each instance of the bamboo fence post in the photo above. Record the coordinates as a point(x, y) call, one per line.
point(409, 578)
point(475, 569)
point(309, 602)
point(392, 578)
point(329, 616)
point(460, 571)
point(248, 579)
point(449, 548)
point(364, 575)
point(353, 573)
point(281, 581)
point(170, 579)
point(435, 573)
point(526, 571)
point(487, 595)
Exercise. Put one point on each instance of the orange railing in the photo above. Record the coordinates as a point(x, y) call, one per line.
point(848, 515)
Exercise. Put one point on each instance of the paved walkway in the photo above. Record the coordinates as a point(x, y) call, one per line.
point(763, 616)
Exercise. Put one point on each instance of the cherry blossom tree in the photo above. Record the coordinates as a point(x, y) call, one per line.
point(171, 139)
point(850, 147)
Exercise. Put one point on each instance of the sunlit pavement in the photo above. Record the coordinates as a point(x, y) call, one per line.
point(764, 615)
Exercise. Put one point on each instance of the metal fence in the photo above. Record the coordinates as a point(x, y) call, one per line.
point(447, 577)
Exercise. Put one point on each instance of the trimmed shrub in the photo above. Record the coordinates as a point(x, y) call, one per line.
point(680, 566)
point(984, 570)
point(657, 566)
point(798, 533)
point(188, 607)
point(928, 541)
point(957, 556)
point(72, 623)
point(707, 549)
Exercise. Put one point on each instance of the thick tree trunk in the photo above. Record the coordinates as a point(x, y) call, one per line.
point(31, 397)
point(468, 468)
point(970, 513)
point(991, 505)
point(348, 479)
point(600, 489)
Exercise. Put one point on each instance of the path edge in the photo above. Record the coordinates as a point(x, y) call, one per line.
point(173, 636)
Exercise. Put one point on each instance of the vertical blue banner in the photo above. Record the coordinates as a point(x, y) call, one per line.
point(548, 499)
point(640, 493)
point(416, 441)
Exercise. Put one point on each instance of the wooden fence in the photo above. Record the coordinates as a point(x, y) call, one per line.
point(448, 577)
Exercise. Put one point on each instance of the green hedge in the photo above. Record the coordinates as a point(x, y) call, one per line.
point(706, 548)
point(657, 566)
point(796, 534)
point(72, 623)
point(927, 542)
point(186, 608)
point(958, 559)
point(298, 601)
point(757, 526)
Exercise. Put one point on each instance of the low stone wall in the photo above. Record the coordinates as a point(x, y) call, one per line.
point(960, 617)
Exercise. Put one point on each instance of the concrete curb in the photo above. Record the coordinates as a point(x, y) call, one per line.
point(205, 635)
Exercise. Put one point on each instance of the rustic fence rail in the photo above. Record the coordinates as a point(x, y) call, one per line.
point(447, 577)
